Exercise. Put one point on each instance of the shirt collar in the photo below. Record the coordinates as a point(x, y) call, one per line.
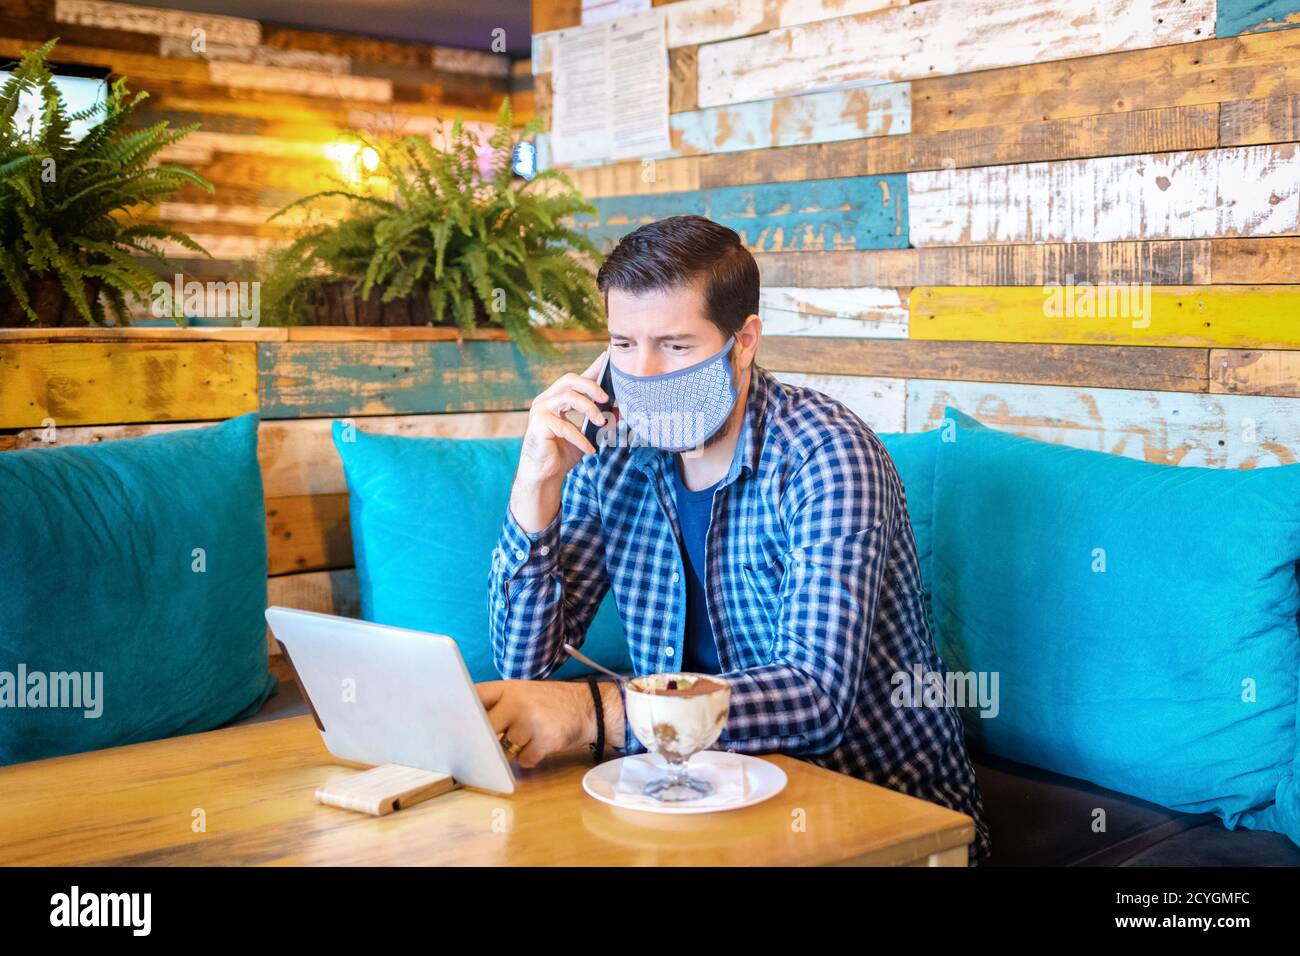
point(761, 385)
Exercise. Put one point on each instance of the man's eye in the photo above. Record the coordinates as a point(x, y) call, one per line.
point(679, 348)
point(620, 345)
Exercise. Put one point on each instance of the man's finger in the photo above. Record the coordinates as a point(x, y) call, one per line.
point(489, 692)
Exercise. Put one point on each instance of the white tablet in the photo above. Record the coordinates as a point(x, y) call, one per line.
point(383, 694)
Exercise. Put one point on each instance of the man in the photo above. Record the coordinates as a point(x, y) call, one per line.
point(769, 545)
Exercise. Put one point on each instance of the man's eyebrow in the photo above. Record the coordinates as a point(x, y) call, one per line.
point(658, 338)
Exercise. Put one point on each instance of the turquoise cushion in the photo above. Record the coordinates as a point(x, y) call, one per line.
point(1141, 618)
point(914, 459)
point(426, 515)
point(102, 576)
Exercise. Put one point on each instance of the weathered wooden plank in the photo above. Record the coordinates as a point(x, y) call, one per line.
point(693, 22)
point(1216, 431)
point(308, 533)
point(1275, 119)
point(307, 82)
point(1099, 366)
point(1235, 316)
point(174, 23)
point(864, 312)
point(427, 333)
point(883, 110)
point(1255, 372)
point(551, 15)
point(136, 333)
point(90, 383)
point(183, 48)
point(1255, 260)
point(1209, 71)
point(953, 36)
point(309, 380)
point(853, 213)
point(450, 59)
point(880, 402)
point(1107, 134)
point(1240, 191)
point(1255, 16)
point(1159, 262)
point(683, 79)
point(297, 457)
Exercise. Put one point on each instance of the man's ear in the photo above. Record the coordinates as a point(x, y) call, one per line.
point(747, 340)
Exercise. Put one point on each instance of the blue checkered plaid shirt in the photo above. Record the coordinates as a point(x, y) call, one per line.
point(814, 593)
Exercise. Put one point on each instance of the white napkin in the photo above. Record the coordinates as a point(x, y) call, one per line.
point(726, 771)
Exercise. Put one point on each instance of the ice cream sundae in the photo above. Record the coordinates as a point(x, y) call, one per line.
point(675, 716)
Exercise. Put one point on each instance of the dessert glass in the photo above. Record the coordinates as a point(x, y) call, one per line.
point(676, 723)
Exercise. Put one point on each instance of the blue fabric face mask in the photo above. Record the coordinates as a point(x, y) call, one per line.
point(678, 410)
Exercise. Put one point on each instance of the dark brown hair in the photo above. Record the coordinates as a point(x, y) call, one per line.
point(679, 251)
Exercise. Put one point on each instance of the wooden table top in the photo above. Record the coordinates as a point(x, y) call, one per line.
point(255, 786)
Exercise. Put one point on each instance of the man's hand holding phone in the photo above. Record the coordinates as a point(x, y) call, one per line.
point(553, 444)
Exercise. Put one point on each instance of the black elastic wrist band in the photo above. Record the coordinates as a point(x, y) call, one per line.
point(598, 748)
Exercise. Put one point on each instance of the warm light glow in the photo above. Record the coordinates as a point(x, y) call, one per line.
point(353, 160)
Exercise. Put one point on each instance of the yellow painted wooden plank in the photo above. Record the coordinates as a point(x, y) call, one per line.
point(1232, 316)
point(94, 383)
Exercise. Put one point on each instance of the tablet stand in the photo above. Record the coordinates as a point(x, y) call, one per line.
point(383, 789)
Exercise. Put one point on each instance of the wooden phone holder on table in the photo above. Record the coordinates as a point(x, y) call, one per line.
point(383, 789)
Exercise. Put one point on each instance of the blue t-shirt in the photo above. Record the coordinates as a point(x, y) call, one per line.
point(694, 510)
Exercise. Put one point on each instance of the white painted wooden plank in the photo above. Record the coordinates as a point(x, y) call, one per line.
point(174, 23)
point(870, 313)
point(304, 82)
point(939, 38)
point(480, 62)
point(1215, 431)
point(708, 21)
point(182, 48)
point(1240, 191)
point(880, 402)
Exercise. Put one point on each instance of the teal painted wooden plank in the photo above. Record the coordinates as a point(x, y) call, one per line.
point(852, 212)
point(1255, 16)
point(319, 379)
point(830, 116)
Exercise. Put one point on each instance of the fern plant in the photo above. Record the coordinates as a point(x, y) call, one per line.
point(70, 238)
point(447, 243)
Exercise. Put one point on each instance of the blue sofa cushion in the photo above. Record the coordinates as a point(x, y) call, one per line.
point(139, 566)
point(1141, 619)
point(426, 515)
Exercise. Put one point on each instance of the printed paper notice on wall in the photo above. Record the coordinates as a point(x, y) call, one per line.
point(610, 90)
point(638, 61)
point(580, 94)
point(598, 11)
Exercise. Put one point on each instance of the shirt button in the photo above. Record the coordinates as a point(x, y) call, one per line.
point(546, 549)
point(675, 576)
point(668, 652)
point(520, 555)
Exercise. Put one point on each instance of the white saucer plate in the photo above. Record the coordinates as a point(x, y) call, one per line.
point(765, 780)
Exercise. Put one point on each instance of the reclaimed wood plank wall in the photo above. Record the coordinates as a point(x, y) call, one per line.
point(1075, 219)
point(271, 102)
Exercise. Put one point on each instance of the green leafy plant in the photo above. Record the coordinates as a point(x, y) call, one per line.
point(69, 239)
point(446, 245)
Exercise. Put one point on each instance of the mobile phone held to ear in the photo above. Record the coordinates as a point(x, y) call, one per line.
point(606, 381)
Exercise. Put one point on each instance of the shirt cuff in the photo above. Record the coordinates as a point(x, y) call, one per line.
point(528, 554)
